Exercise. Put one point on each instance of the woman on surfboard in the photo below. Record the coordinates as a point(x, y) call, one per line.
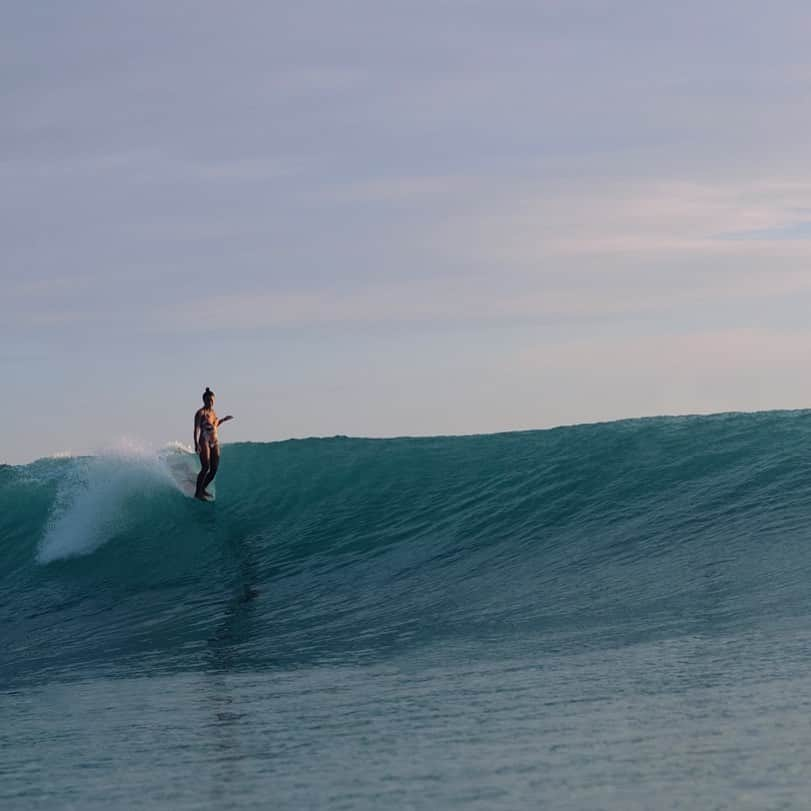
point(206, 443)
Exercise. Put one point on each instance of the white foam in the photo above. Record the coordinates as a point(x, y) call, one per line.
point(98, 498)
point(177, 447)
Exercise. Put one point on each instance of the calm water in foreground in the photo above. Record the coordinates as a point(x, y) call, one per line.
point(690, 723)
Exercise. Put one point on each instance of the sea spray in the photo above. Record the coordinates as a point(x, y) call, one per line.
point(97, 498)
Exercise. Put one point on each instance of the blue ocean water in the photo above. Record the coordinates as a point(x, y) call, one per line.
point(610, 616)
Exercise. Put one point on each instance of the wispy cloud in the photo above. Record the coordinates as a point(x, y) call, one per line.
point(472, 298)
point(791, 231)
point(742, 350)
point(656, 219)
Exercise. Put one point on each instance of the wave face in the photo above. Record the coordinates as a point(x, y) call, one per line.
point(349, 550)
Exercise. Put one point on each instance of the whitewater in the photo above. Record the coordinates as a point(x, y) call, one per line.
point(606, 616)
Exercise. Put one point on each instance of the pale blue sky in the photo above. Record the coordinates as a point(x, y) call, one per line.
point(383, 218)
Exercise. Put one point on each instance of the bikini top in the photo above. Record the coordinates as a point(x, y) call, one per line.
point(207, 426)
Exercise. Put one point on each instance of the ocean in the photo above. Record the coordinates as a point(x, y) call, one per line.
point(606, 616)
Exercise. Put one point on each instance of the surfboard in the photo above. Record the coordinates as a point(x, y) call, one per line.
point(183, 467)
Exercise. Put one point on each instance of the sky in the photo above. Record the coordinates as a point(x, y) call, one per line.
point(382, 218)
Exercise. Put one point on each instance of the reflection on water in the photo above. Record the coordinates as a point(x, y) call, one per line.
point(665, 724)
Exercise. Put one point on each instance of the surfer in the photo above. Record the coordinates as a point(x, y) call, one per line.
point(206, 443)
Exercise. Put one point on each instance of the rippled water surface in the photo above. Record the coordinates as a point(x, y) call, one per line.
point(686, 723)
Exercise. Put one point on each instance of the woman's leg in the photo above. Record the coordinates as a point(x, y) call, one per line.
point(214, 463)
point(205, 463)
